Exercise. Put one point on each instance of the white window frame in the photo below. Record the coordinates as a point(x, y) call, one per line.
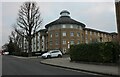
point(63, 26)
point(71, 26)
point(72, 42)
point(64, 33)
point(64, 42)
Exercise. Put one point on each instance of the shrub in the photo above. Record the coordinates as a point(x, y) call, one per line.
point(95, 52)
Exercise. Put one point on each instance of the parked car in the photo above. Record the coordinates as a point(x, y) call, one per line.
point(52, 53)
point(6, 53)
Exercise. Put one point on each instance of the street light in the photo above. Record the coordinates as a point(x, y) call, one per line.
point(68, 44)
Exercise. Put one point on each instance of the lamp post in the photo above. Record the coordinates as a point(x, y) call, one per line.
point(68, 44)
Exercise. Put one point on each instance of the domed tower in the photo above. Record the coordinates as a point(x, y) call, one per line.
point(64, 32)
point(65, 13)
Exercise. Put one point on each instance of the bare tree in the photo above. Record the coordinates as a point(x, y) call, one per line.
point(15, 37)
point(29, 19)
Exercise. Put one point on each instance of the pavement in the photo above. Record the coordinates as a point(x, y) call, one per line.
point(92, 68)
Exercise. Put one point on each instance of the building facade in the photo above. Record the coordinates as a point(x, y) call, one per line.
point(65, 31)
point(39, 42)
point(117, 5)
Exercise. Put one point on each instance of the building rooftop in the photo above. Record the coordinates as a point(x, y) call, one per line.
point(94, 30)
point(64, 19)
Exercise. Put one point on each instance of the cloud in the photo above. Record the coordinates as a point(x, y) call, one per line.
point(101, 8)
point(98, 15)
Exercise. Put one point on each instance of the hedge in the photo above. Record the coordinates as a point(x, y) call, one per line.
point(96, 52)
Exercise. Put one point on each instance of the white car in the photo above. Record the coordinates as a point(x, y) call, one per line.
point(52, 53)
point(6, 53)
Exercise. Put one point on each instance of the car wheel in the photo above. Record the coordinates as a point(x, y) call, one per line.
point(59, 55)
point(48, 56)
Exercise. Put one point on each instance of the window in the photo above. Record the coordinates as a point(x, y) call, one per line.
point(78, 34)
point(86, 41)
point(86, 32)
point(56, 34)
point(56, 42)
point(71, 42)
point(105, 35)
point(90, 33)
point(71, 33)
point(78, 42)
point(71, 26)
point(64, 42)
point(79, 27)
point(63, 26)
point(51, 35)
point(50, 42)
point(102, 34)
point(64, 33)
point(94, 33)
point(98, 34)
point(54, 51)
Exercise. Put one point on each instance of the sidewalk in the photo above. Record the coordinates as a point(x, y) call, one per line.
point(27, 57)
point(65, 63)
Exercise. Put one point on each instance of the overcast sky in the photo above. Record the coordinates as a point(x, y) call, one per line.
point(96, 14)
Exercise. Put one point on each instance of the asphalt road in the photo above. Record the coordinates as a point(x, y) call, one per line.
point(20, 66)
point(0, 65)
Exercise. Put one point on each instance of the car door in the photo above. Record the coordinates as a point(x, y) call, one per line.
point(54, 54)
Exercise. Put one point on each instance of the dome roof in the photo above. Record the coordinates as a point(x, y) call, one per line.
point(64, 20)
point(64, 11)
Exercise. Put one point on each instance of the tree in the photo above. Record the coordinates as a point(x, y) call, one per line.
point(10, 46)
point(5, 47)
point(29, 20)
point(15, 37)
point(16, 40)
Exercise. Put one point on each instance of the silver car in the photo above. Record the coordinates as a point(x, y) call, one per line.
point(52, 53)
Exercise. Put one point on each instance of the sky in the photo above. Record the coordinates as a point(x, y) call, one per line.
point(95, 14)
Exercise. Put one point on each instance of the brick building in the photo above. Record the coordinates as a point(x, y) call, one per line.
point(65, 31)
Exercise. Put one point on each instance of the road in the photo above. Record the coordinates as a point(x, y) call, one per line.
point(0, 65)
point(20, 66)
